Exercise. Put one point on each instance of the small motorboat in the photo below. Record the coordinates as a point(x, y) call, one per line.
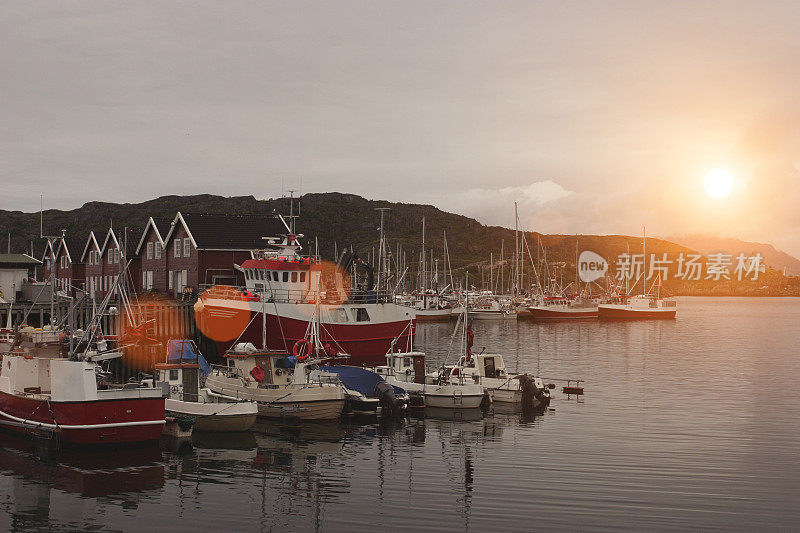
point(179, 376)
point(407, 371)
point(367, 392)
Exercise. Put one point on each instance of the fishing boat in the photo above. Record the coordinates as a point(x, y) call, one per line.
point(50, 387)
point(283, 289)
point(70, 399)
point(639, 307)
point(563, 308)
point(490, 307)
point(180, 375)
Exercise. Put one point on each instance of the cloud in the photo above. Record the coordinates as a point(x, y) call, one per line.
point(495, 207)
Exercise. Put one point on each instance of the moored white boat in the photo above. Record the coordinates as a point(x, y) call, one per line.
point(278, 383)
point(180, 375)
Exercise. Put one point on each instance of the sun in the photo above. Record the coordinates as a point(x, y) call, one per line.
point(719, 183)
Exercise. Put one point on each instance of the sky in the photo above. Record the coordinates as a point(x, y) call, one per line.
point(596, 117)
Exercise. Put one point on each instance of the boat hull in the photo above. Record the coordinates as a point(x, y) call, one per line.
point(311, 402)
point(222, 416)
point(492, 315)
point(365, 342)
point(545, 313)
point(613, 312)
point(98, 422)
point(432, 315)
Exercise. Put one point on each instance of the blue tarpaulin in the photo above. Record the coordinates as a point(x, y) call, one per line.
point(183, 350)
point(357, 378)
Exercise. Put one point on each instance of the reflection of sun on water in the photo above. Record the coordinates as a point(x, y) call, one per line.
point(718, 183)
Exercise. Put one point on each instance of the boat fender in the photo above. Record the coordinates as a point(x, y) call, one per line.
point(258, 374)
point(300, 352)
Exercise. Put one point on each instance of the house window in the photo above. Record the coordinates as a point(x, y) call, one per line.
point(158, 250)
point(177, 247)
point(184, 279)
point(170, 275)
point(186, 247)
point(116, 255)
point(149, 279)
point(149, 250)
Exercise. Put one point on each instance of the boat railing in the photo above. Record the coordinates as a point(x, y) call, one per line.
point(244, 293)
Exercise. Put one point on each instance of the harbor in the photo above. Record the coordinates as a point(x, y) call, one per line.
point(399, 266)
point(662, 399)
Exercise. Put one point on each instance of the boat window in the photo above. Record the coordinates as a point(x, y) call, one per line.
point(294, 277)
point(173, 374)
point(302, 277)
point(285, 276)
point(337, 314)
point(360, 314)
point(259, 287)
point(488, 367)
point(407, 361)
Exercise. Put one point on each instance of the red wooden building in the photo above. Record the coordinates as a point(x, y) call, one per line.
point(201, 249)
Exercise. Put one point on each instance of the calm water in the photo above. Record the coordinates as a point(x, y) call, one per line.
point(687, 424)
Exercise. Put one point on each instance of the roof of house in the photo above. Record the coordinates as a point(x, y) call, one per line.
point(74, 247)
point(11, 260)
point(90, 240)
point(161, 227)
point(229, 232)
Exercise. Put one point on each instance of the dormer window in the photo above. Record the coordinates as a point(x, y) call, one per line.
point(116, 255)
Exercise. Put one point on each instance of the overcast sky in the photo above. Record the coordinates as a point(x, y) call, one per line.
point(597, 117)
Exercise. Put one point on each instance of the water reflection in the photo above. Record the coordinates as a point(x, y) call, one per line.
point(672, 410)
point(42, 489)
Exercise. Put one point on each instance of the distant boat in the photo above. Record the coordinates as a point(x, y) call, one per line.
point(642, 306)
point(555, 308)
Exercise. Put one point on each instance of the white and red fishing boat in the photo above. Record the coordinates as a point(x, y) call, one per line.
point(563, 308)
point(68, 398)
point(282, 291)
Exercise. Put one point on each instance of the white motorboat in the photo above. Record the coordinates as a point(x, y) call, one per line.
point(407, 371)
point(179, 376)
point(489, 371)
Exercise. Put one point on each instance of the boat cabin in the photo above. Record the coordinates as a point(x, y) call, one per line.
point(182, 370)
point(404, 366)
point(485, 366)
point(261, 368)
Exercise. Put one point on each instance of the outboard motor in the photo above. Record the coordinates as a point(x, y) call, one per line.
point(390, 404)
point(532, 396)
